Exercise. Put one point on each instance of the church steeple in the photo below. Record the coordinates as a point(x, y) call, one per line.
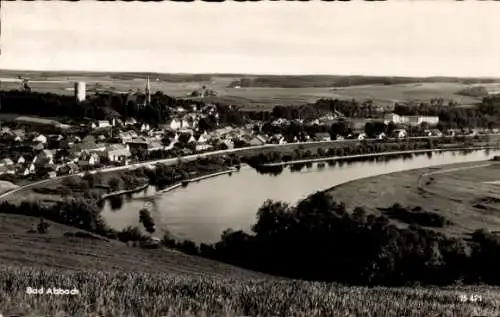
point(148, 92)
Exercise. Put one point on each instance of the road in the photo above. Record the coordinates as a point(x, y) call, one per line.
point(170, 161)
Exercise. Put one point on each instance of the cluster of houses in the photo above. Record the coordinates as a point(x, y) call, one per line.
point(108, 143)
point(120, 142)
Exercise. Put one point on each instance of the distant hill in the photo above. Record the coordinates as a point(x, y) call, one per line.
point(272, 81)
point(246, 80)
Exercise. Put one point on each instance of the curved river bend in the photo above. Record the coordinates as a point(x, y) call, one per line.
point(201, 211)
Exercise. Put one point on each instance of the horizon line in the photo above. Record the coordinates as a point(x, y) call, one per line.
point(245, 74)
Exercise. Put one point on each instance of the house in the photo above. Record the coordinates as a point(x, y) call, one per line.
point(20, 132)
point(69, 168)
point(40, 139)
point(7, 162)
point(202, 147)
point(22, 170)
point(8, 170)
point(73, 168)
point(257, 141)
point(313, 122)
point(229, 144)
point(157, 133)
point(84, 165)
point(399, 133)
point(101, 124)
point(47, 153)
point(411, 120)
point(186, 124)
point(360, 136)
point(52, 174)
point(127, 136)
point(38, 147)
point(92, 159)
point(170, 146)
point(137, 145)
point(145, 127)
point(88, 144)
point(32, 168)
point(322, 136)
point(191, 139)
point(21, 160)
point(436, 132)
point(203, 138)
point(6, 131)
point(43, 158)
point(130, 121)
point(155, 145)
point(279, 122)
point(117, 153)
point(174, 124)
point(381, 136)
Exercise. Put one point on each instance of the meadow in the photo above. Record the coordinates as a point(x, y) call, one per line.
point(249, 98)
point(168, 294)
point(56, 250)
point(466, 194)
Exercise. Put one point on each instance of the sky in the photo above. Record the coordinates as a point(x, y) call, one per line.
point(407, 38)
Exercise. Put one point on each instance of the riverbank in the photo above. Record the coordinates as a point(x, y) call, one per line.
point(125, 191)
point(335, 158)
point(192, 180)
point(465, 193)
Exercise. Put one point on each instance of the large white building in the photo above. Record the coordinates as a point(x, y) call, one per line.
point(80, 91)
point(411, 120)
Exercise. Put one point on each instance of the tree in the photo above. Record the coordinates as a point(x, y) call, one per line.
point(370, 129)
point(43, 226)
point(339, 128)
point(147, 220)
point(114, 183)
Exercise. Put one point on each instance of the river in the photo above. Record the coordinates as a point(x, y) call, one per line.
point(201, 211)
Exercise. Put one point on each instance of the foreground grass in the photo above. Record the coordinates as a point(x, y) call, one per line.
point(140, 294)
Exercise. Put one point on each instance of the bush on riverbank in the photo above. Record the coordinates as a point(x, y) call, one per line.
point(93, 186)
point(167, 175)
point(416, 216)
point(147, 220)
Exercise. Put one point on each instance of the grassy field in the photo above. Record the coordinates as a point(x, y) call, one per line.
point(253, 98)
point(56, 250)
point(169, 294)
point(460, 192)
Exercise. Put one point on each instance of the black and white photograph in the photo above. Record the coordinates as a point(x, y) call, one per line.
point(244, 159)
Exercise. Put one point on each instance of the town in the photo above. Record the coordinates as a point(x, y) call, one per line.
point(34, 148)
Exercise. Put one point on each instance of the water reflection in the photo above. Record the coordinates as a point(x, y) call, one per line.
point(116, 202)
point(203, 210)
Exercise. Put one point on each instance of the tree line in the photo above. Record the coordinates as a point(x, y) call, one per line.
point(106, 106)
point(340, 150)
point(109, 105)
point(320, 240)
